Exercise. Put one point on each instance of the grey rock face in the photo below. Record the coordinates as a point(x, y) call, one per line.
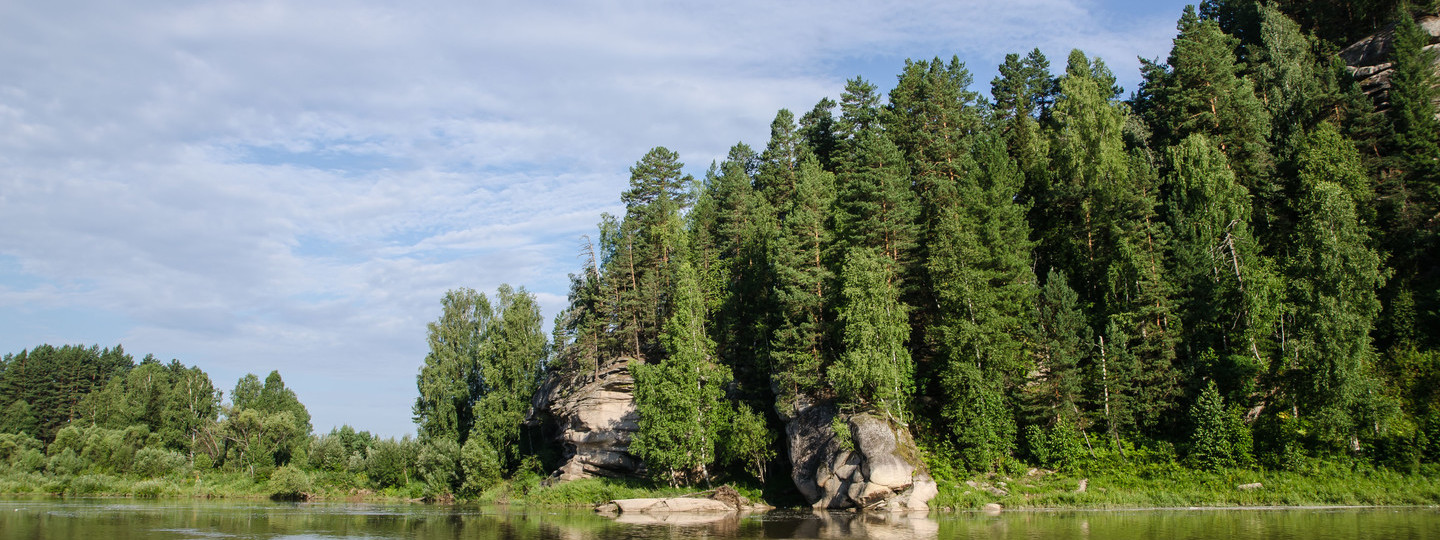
point(1368, 60)
point(596, 420)
point(880, 470)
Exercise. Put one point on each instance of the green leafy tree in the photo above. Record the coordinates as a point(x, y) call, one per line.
point(450, 382)
point(681, 400)
point(1230, 294)
point(1333, 278)
point(875, 370)
point(1203, 91)
point(509, 370)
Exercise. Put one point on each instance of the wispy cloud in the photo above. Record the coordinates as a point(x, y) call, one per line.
point(257, 185)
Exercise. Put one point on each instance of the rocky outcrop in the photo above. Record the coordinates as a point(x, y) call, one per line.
point(594, 413)
point(1368, 60)
point(876, 467)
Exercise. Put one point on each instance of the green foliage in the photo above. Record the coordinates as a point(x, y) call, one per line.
point(749, 441)
point(480, 465)
point(843, 436)
point(438, 463)
point(155, 462)
point(289, 483)
point(1218, 438)
point(681, 400)
point(390, 463)
point(54, 380)
point(19, 417)
point(875, 370)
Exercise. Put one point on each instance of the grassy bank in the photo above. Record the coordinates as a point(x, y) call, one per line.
point(528, 491)
point(1171, 486)
point(1151, 486)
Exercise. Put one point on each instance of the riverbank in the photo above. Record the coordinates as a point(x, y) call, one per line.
point(1153, 486)
point(1174, 486)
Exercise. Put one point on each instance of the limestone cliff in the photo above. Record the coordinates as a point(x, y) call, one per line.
point(594, 416)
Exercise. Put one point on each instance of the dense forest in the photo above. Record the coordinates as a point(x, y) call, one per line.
point(1234, 265)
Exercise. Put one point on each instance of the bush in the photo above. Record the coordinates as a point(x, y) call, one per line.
point(148, 488)
point(156, 462)
point(66, 463)
point(289, 483)
point(481, 465)
point(439, 464)
point(90, 483)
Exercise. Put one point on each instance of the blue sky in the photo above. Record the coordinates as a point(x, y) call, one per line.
point(250, 186)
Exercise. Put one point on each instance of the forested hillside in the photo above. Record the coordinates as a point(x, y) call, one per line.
point(1233, 265)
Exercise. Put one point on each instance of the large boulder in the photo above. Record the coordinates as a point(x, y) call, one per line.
point(876, 467)
point(594, 417)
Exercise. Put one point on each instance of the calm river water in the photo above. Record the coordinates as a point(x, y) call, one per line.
point(175, 520)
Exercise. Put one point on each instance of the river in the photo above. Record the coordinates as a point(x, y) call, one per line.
point(208, 520)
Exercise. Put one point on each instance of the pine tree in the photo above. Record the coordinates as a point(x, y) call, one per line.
point(1062, 340)
point(984, 290)
point(802, 287)
point(1204, 92)
point(874, 205)
point(1410, 188)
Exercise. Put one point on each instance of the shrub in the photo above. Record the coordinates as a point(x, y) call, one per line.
point(148, 488)
point(66, 463)
point(289, 483)
point(89, 483)
point(155, 462)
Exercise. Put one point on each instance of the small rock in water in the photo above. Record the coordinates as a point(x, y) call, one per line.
point(992, 508)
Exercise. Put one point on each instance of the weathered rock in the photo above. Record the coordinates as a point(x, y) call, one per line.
point(1368, 60)
point(881, 469)
point(1249, 487)
point(594, 416)
point(676, 504)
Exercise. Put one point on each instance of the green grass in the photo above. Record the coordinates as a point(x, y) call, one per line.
point(1162, 485)
point(1171, 486)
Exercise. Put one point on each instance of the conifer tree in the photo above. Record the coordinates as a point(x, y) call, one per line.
point(803, 282)
point(1054, 391)
point(1410, 187)
point(742, 228)
point(1202, 91)
point(980, 266)
point(874, 205)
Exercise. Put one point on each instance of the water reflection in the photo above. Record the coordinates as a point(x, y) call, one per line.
point(174, 520)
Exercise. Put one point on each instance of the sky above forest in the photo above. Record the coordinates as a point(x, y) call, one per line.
point(250, 186)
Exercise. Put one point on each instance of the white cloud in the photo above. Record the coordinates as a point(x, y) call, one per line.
point(257, 185)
